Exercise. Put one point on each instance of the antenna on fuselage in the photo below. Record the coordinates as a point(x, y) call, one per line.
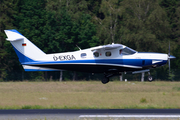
point(78, 47)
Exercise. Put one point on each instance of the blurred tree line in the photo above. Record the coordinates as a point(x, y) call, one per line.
point(59, 25)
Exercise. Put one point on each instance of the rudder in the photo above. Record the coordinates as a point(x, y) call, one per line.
point(25, 49)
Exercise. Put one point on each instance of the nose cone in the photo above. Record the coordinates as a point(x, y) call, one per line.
point(171, 57)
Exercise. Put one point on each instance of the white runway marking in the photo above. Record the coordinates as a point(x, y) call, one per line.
point(129, 116)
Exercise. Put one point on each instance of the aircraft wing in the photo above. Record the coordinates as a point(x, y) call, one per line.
point(107, 47)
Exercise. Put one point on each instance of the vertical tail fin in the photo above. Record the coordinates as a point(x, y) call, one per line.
point(25, 49)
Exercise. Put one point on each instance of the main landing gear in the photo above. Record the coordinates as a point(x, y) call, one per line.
point(107, 76)
point(105, 80)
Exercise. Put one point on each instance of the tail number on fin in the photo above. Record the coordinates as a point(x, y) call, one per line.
point(64, 57)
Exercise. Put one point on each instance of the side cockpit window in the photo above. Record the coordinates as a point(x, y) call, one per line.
point(126, 51)
point(96, 54)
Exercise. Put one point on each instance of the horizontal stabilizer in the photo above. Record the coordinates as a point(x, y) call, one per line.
point(34, 68)
point(11, 39)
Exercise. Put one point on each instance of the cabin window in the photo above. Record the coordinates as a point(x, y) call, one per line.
point(83, 55)
point(108, 54)
point(96, 54)
point(126, 51)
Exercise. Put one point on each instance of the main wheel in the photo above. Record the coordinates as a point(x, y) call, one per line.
point(105, 80)
point(150, 78)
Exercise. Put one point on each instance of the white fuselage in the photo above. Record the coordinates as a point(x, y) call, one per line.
point(107, 60)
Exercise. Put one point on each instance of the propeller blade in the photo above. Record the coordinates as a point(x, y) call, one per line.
point(169, 49)
point(169, 58)
point(169, 65)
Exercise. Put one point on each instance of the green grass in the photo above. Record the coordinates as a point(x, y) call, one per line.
point(89, 95)
point(143, 100)
point(176, 88)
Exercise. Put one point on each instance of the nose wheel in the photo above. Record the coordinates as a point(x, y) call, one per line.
point(150, 78)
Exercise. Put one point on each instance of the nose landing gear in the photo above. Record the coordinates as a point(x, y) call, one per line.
point(150, 78)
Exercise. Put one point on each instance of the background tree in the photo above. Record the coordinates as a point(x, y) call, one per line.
point(7, 9)
point(59, 25)
point(69, 30)
point(171, 7)
point(146, 25)
point(108, 25)
point(30, 21)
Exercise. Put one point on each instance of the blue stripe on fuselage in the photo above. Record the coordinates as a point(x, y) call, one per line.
point(22, 58)
point(132, 62)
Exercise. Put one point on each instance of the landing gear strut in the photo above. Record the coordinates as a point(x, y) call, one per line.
point(150, 78)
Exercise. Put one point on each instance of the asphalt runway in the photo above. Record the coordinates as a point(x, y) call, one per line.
point(84, 114)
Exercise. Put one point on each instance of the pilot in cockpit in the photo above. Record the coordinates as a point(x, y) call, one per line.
point(120, 51)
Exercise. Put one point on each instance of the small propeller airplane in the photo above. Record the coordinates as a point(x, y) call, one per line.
point(112, 59)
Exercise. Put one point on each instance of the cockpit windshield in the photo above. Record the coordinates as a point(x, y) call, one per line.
point(127, 51)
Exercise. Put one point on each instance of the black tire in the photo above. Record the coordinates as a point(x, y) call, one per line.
point(150, 78)
point(105, 80)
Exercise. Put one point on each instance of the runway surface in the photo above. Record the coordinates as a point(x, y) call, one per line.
point(82, 114)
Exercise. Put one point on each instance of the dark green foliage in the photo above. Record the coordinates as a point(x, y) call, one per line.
point(85, 32)
point(94, 6)
point(30, 21)
point(7, 9)
point(59, 25)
